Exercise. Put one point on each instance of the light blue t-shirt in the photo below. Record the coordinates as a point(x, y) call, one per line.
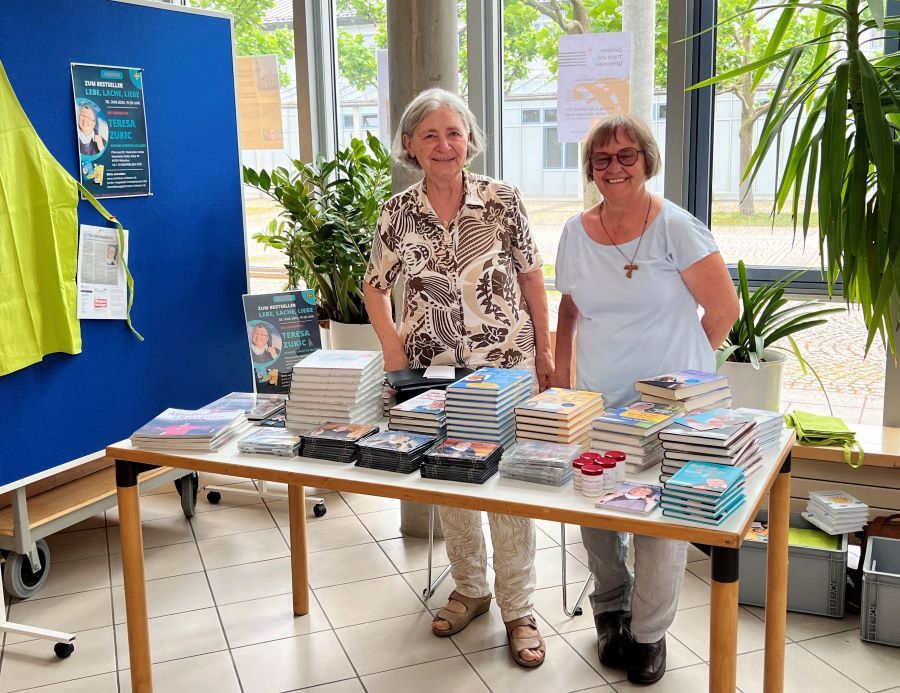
point(635, 328)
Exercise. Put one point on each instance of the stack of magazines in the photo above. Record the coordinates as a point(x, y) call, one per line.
point(270, 441)
point(632, 430)
point(836, 512)
point(337, 385)
point(482, 405)
point(469, 461)
point(394, 451)
point(255, 406)
point(336, 441)
point(424, 413)
point(719, 436)
point(189, 429)
point(769, 426)
point(558, 415)
point(539, 462)
point(691, 389)
point(703, 492)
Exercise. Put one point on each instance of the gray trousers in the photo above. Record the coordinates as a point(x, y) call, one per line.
point(651, 593)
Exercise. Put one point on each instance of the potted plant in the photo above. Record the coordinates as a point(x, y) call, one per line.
point(750, 355)
point(838, 129)
point(329, 214)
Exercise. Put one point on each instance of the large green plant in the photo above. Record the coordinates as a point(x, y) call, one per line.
point(327, 222)
point(837, 131)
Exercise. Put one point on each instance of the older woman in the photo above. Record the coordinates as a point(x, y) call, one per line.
point(474, 296)
point(633, 271)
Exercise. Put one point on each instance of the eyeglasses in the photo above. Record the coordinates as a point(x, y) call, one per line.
point(626, 157)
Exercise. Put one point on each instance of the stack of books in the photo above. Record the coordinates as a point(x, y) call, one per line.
point(482, 405)
point(270, 441)
point(633, 430)
point(703, 492)
point(717, 436)
point(691, 389)
point(394, 451)
point(539, 462)
point(631, 496)
point(769, 425)
point(337, 386)
point(424, 413)
point(469, 461)
point(836, 512)
point(388, 400)
point(336, 441)
point(189, 429)
point(255, 407)
point(558, 415)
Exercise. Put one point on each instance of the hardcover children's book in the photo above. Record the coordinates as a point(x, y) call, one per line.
point(719, 419)
point(704, 477)
point(428, 405)
point(560, 403)
point(640, 418)
point(681, 384)
point(489, 382)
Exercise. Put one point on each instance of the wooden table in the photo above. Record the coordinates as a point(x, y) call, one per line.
point(497, 495)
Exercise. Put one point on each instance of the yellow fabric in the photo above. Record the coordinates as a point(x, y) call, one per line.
point(38, 244)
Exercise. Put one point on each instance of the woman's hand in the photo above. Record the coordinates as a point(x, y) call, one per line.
point(395, 359)
point(543, 366)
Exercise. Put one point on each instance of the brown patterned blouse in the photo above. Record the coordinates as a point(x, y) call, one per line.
point(462, 302)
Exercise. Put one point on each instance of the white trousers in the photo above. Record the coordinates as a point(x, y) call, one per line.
point(513, 540)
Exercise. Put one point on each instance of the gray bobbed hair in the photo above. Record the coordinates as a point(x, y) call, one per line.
point(427, 102)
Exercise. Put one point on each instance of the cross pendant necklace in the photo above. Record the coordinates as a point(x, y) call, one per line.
point(630, 265)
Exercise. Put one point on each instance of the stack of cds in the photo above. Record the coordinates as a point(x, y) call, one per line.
point(336, 441)
point(836, 512)
point(691, 389)
point(632, 430)
point(255, 406)
point(187, 429)
point(558, 415)
point(270, 441)
point(470, 461)
point(337, 386)
point(482, 405)
point(769, 425)
point(718, 436)
point(394, 451)
point(703, 492)
point(424, 413)
point(539, 462)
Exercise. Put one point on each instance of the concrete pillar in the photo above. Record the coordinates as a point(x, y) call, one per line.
point(422, 53)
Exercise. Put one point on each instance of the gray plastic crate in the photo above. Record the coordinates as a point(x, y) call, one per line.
point(880, 605)
point(816, 577)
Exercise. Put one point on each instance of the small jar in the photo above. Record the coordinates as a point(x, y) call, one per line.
point(619, 457)
point(609, 474)
point(577, 464)
point(592, 456)
point(592, 480)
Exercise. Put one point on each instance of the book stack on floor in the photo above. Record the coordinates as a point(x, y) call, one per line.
point(189, 429)
point(717, 436)
point(424, 413)
point(336, 386)
point(394, 451)
point(703, 492)
point(256, 407)
point(836, 512)
point(482, 405)
point(540, 462)
point(769, 424)
point(469, 461)
point(336, 441)
point(691, 389)
point(633, 430)
point(270, 441)
point(558, 415)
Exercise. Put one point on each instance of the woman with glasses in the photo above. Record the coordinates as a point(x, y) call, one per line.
point(633, 271)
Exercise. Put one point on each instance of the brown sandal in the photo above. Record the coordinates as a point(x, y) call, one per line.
point(475, 606)
point(517, 645)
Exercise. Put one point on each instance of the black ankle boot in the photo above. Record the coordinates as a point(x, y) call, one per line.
point(647, 662)
point(613, 638)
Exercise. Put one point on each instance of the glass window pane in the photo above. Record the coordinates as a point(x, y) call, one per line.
point(572, 155)
point(549, 115)
point(552, 149)
point(531, 115)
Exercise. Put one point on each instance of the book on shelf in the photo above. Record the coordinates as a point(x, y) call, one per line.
point(639, 419)
point(631, 496)
point(720, 397)
point(561, 404)
point(282, 329)
point(256, 406)
point(681, 384)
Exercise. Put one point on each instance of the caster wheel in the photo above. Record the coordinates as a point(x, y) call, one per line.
point(319, 509)
point(577, 611)
point(213, 497)
point(188, 487)
point(63, 649)
point(19, 580)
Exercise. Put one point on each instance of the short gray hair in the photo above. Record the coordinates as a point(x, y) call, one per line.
point(427, 102)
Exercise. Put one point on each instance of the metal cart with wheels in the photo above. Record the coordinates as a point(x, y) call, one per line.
point(214, 495)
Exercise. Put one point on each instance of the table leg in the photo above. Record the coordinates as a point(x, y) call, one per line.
point(776, 579)
point(133, 574)
point(723, 621)
point(299, 567)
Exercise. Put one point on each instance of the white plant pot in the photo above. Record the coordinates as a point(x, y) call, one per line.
point(759, 389)
point(359, 337)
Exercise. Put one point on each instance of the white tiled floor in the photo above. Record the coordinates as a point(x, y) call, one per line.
point(220, 607)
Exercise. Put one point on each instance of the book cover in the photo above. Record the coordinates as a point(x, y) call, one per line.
point(490, 382)
point(758, 532)
point(681, 384)
point(837, 500)
point(189, 423)
point(348, 361)
point(641, 417)
point(430, 403)
point(632, 496)
point(560, 403)
point(282, 328)
point(724, 422)
point(703, 476)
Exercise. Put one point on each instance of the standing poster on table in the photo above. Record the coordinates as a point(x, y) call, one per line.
point(111, 128)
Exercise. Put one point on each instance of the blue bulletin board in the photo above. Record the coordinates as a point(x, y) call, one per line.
point(186, 248)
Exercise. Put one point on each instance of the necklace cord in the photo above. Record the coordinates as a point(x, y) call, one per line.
point(640, 238)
